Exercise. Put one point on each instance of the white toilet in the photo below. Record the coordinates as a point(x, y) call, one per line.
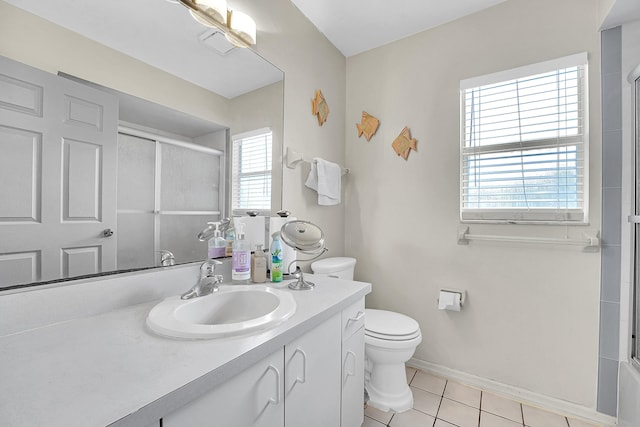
point(390, 340)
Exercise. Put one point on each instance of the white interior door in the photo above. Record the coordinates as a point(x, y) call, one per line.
point(58, 142)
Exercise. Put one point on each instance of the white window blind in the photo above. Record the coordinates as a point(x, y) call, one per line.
point(251, 170)
point(524, 144)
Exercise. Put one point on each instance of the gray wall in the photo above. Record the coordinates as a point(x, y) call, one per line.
point(608, 354)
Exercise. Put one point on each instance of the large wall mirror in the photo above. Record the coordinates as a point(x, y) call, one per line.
point(97, 180)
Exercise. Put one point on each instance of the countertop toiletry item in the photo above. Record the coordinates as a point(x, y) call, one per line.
point(216, 245)
point(288, 253)
point(276, 258)
point(258, 266)
point(254, 230)
point(241, 258)
point(229, 236)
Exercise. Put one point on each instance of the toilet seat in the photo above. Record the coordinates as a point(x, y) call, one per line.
point(392, 345)
point(390, 326)
point(387, 337)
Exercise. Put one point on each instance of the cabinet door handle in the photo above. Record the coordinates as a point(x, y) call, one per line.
point(352, 371)
point(359, 316)
point(276, 400)
point(300, 378)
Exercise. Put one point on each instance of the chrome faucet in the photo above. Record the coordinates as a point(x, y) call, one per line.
point(208, 281)
point(166, 258)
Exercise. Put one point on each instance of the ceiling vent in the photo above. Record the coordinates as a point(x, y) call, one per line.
point(214, 39)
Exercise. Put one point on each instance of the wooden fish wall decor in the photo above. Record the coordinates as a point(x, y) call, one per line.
point(403, 144)
point(319, 107)
point(368, 126)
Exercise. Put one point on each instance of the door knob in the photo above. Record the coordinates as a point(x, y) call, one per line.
point(107, 232)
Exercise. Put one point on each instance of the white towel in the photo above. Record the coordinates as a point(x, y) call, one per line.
point(325, 178)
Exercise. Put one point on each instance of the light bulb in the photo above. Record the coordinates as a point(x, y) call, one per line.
point(216, 9)
point(243, 27)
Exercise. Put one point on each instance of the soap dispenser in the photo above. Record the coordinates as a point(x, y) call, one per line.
point(216, 245)
point(240, 258)
point(258, 266)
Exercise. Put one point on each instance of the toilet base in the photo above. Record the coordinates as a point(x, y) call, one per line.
point(385, 402)
point(388, 389)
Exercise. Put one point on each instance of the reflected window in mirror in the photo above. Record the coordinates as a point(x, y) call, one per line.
point(251, 172)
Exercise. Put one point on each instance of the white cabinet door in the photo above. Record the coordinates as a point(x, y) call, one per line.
point(252, 398)
point(353, 380)
point(312, 377)
point(57, 176)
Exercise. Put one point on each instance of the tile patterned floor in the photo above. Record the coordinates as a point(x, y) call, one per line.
point(438, 402)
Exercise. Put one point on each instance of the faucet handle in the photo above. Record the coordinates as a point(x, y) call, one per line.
point(218, 278)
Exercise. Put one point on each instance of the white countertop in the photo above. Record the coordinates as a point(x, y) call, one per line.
point(109, 369)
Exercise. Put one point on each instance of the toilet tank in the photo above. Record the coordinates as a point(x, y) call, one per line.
point(340, 267)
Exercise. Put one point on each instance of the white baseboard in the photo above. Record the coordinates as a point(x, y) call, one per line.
point(521, 395)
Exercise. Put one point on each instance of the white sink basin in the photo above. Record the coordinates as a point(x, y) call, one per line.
point(231, 311)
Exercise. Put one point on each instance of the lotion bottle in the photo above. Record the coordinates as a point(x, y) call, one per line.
point(240, 258)
point(258, 266)
point(276, 258)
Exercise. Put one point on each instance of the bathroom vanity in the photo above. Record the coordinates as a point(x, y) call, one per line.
point(81, 354)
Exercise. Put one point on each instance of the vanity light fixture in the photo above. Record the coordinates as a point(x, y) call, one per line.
point(239, 28)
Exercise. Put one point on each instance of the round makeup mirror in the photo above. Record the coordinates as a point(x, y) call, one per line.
point(307, 238)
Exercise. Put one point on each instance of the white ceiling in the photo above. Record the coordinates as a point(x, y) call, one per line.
point(622, 11)
point(162, 34)
point(355, 26)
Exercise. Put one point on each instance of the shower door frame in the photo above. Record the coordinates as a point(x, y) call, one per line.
point(635, 300)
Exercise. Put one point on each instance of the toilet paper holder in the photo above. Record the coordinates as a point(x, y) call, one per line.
point(462, 294)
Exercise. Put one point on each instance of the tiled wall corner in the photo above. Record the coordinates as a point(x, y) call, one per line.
point(611, 43)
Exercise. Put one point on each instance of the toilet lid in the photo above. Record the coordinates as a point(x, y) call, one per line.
point(390, 325)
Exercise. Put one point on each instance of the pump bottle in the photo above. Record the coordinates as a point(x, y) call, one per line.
point(240, 258)
point(216, 245)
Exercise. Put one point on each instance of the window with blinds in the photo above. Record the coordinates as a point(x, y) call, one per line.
point(251, 171)
point(524, 144)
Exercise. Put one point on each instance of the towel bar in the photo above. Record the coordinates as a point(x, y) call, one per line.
point(590, 240)
point(293, 158)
